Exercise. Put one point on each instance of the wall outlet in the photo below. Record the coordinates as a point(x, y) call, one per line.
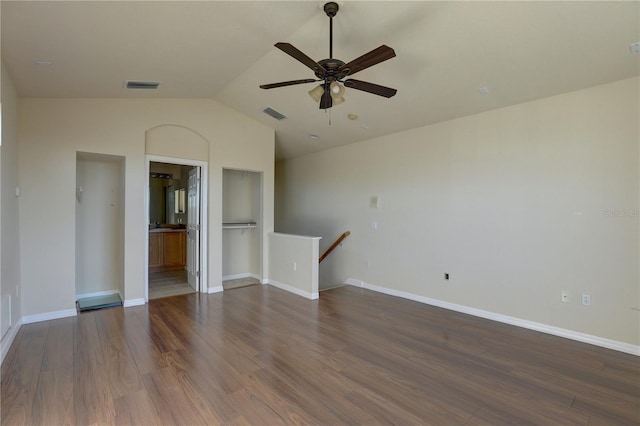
point(295, 266)
point(564, 296)
point(586, 299)
point(446, 276)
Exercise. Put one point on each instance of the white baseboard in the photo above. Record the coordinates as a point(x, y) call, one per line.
point(97, 294)
point(8, 339)
point(290, 289)
point(133, 302)
point(531, 325)
point(354, 282)
point(47, 316)
point(5, 317)
point(217, 289)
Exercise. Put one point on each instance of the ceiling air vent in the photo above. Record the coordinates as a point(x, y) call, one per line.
point(273, 113)
point(133, 84)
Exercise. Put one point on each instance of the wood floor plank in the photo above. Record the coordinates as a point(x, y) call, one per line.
point(328, 385)
point(288, 411)
point(136, 408)
point(53, 403)
point(385, 411)
point(159, 331)
point(430, 399)
point(11, 353)
point(298, 394)
point(124, 377)
point(205, 382)
point(54, 399)
point(59, 349)
point(254, 410)
point(259, 355)
point(92, 398)
point(201, 354)
point(20, 379)
point(146, 354)
point(601, 408)
point(173, 391)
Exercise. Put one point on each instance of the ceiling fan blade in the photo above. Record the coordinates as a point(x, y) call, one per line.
point(367, 60)
point(376, 89)
point(292, 51)
point(326, 101)
point(287, 83)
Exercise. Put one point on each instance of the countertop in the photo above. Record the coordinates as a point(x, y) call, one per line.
point(159, 230)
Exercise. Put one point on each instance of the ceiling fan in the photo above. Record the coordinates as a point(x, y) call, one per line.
point(331, 72)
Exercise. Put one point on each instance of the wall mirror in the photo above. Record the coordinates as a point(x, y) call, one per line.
point(180, 196)
point(168, 193)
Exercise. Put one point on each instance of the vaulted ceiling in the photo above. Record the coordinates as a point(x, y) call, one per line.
point(446, 51)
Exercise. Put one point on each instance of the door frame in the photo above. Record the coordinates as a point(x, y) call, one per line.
point(204, 208)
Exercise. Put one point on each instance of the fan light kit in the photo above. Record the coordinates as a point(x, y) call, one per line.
point(332, 72)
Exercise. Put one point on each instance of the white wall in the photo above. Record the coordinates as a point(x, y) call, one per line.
point(294, 263)
point(99, 242)
point(10, 218)
point(53, 130)
point(517, 204)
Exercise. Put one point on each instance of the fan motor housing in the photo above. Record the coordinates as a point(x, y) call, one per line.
point(331, 67)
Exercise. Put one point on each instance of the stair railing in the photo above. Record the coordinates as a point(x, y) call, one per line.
point(334, 245)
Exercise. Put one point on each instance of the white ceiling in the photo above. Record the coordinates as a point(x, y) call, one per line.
point(221, 50)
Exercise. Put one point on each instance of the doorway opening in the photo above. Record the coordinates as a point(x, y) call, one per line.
point(176, 248)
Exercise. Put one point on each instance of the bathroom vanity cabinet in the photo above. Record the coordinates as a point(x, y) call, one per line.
point(167, 249)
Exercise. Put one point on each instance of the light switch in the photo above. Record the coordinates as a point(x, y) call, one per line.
point(373, 202)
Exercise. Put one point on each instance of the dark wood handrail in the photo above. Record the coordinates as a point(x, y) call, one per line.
point(334, 245)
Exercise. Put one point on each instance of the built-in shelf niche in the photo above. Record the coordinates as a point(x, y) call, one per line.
point(242, 215)
point(99, 231)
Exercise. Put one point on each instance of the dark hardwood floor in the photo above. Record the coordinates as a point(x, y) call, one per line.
point(261, 356)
